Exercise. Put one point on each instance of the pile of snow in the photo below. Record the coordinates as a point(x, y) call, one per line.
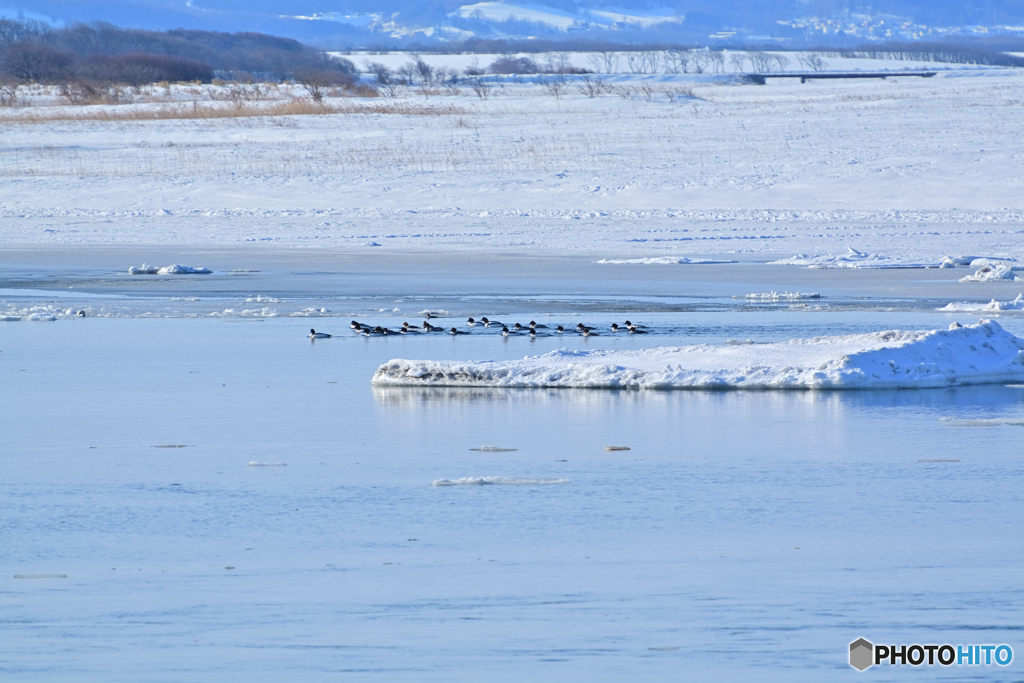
point(991, 307)
point(975, 354)
point(853, 259)
point(954, 261)
point(668, 260)
point(46, 312)
point(991, 272)
point(780, 296)
point(507, 481)
point(176, 269)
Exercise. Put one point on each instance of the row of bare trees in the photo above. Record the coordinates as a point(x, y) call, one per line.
point(697, 61)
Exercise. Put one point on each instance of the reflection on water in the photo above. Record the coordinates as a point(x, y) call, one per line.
point(991, 397)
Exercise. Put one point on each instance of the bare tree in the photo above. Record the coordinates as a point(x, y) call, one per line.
point(717, 61)
point(676, 61)
point(604, 61)
point(637, 62)
point(813, 61)
point(781, 61)
point(761, 62)
point(700, 59)
point(646, 89)
point(737, 60)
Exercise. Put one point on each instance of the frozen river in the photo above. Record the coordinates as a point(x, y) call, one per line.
point(218, 498)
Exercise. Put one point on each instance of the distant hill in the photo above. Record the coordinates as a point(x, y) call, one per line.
point(361, 23)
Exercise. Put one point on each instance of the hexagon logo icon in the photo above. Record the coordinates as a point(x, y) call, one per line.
point(862, 654)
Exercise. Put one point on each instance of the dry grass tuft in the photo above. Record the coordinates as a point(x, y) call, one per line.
point(240, 109)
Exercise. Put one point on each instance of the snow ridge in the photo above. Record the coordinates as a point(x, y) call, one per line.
point(983, 353)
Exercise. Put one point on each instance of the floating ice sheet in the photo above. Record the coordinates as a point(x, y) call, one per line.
point(858, 259)
point(974, 354)
point(668, 260)
point(503, 481)
point(780, 296)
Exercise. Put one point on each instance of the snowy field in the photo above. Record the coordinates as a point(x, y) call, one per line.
point(192, 489)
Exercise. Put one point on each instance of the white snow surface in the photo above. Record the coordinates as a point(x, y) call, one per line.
point(991, 307)
point(982, 353)
point(762, 170)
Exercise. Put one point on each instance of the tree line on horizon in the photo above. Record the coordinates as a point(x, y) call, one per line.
point(32, 51)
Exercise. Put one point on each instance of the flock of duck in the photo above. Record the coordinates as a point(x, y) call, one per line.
point(533, 329)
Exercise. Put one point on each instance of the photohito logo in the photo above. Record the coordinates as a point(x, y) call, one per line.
point(864, 654)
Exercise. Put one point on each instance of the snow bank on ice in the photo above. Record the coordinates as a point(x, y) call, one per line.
point(991, 272)
point(984, 353)
point(991, 307)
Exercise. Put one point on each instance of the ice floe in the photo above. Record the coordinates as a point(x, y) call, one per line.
point(779, 296)
point(991, 307)
point(668, 260)
point(859, 259)
point(983, 353)
point(991, 272)
point(985, 422)
point(175, 269)
point(505, 481)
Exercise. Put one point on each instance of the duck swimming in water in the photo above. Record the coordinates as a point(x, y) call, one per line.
point(427, 327)
point(488, 323)
point(536, 326)
point(313, 334)
point(455, 330)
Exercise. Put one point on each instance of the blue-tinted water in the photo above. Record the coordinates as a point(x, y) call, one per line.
point(744, 535)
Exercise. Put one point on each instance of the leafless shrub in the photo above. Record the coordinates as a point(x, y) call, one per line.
point(672, 92)
point(388, 82)
point(317, 82)
point(623, 91)
point(481, 88)
point(556, 86)
point(427, 90)
point(8, 96)
point(513, 65)
point(592, 87)
point(80, 93)
point(645, 89)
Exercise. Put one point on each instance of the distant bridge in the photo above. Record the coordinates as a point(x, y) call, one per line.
point(761, 79)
